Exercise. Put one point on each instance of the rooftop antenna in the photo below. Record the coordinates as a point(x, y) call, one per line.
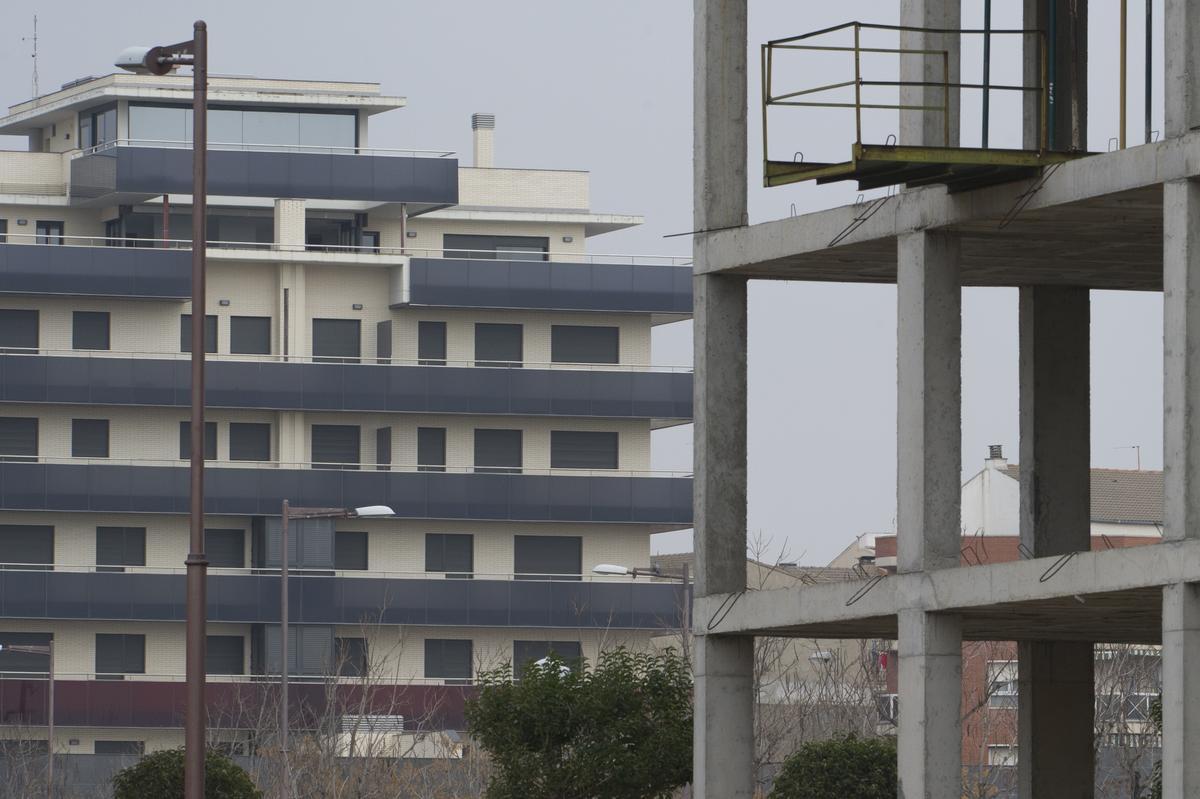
point(34, 39)
point(1136, 448)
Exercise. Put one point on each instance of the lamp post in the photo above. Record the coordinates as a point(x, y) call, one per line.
point(48, 650)
point(612, 570)
point(159, 61)
point(289, 513)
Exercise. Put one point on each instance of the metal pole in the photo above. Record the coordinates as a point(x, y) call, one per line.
point(50, 727)
point(1149, 63)
point(857, 87)
point(197, 562)
point(1052, 75)
point(166, 221)
point(987, 67)
point(285, 788)
point(1124, 41)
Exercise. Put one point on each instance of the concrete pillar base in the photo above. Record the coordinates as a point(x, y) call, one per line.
point(1055, 719)
point(724, 741)
point(1181, 691)
point(930, 722)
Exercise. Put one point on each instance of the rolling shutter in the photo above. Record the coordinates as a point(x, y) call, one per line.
point(578, 449)
point(584, 344)
point(547, 557)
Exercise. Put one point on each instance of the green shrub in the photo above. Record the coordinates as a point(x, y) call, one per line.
point(160, 776)
point(862, 768)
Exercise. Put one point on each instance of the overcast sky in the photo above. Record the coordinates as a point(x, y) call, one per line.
point(606, 87)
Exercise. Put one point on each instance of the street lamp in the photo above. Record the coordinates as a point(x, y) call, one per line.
point(159, 61)
point(289, 513)
point(48, 650)
point(613, 570)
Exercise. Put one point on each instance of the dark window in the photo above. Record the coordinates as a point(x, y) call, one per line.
point(447, 659)
point(89, 438)
point(584, 344)
point(3, 230)
point(185, 333)
point(383, 341)
point(136, 748)
point(210, 441)
point(370, 240)
point(336, 446)
point(548, 557)
point(26, 662)
point(512, 248)
point(18, 329)
point(431, 449)
point(498, 451)
point(383, 449)
point(121, 653)
point(337, 340)
point(249, 441)
point(118, 547)
point(22, 544)
point(18, 438)
point(49, 232)
point(226, 549)
point(351, 654)
point(225, 654)
point(498, 345)
point(350, 551)
point(250, 335)
point(526, 652)
point(89, 330)
point(98, 125)
point(578, 449)
point(23, 749)
point(453, 553)
point(431, 343)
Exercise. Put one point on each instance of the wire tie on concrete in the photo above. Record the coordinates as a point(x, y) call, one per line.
point(1056, 567)
point(1025, 551)
point(971, 556)
point(723, 609)
point(703, 230)
point(1108, 544)
point(1024, 197)
point(859, 218)
point(862, 592)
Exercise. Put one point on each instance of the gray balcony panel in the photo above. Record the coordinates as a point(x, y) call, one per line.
point(349, 387)
point(251, 599)
point(148, 171)
point(638, 288)
point(135, 272)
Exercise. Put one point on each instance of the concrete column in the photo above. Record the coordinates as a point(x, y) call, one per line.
point(929, 405)
point(1181, 691)
point(724, 731)
point(1181, 86)
point(930, 128)
point(1181, 360)
point(1055, 711)
point(1070, 72)
point(289, 224)
point(929, 734)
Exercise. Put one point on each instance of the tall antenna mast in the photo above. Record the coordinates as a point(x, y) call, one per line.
point(34, 39)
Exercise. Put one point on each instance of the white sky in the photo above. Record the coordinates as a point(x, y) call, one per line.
point(606, 86)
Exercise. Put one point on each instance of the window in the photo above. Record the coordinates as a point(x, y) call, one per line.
point(513, 248)
point(249, 441)
point(18, 329)
point(24, 662)
point(351, 654)
point(18, 438)
point(548, 557)
point(118, 547)
point(431, 449)
point(185, 333)
point(431, 343)
point(49, 232)
point(135, 748)
point(498, 345)
point(89, 438)
point(584, 344)
point(338, 340)
point(370, 240)
point(577, 449)
point(225, 654)
point(526, 652)
point(232, 127)
point(1002, 683)
point(383, 341)
point(335, 446)
point(89, 330)
point(121, 653)
point(1002, 755)
point(226, 549)
point(210, 441)
point(498, 451)
point(447, 659)
point(27, 546)
point(350, 551)
point(98, 126)
point(3, 230)
point(383, 449)
point(250, 335)
point(452, 553)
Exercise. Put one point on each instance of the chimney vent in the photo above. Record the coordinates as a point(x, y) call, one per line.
point(483, 127)
point(995, 452)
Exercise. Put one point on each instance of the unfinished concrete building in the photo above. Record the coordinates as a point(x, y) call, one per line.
point(1045, 217)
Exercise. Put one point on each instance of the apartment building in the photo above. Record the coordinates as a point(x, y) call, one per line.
point(387, 327)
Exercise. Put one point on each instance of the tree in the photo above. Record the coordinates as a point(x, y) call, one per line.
point(620, 730)
point(863, 768)
point(160, 776)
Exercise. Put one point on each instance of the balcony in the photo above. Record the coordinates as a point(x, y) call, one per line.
point(608, 391)
point(662, 502)
point(130, 171)
point(84, 267)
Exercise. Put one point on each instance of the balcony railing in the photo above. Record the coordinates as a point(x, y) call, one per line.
point(247, 147)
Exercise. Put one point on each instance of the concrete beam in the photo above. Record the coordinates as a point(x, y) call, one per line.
point(1181, 360)
point(929, 730)
point(929, 405)
point(1181, 691)
point(1181, 85)
point(929, 128)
